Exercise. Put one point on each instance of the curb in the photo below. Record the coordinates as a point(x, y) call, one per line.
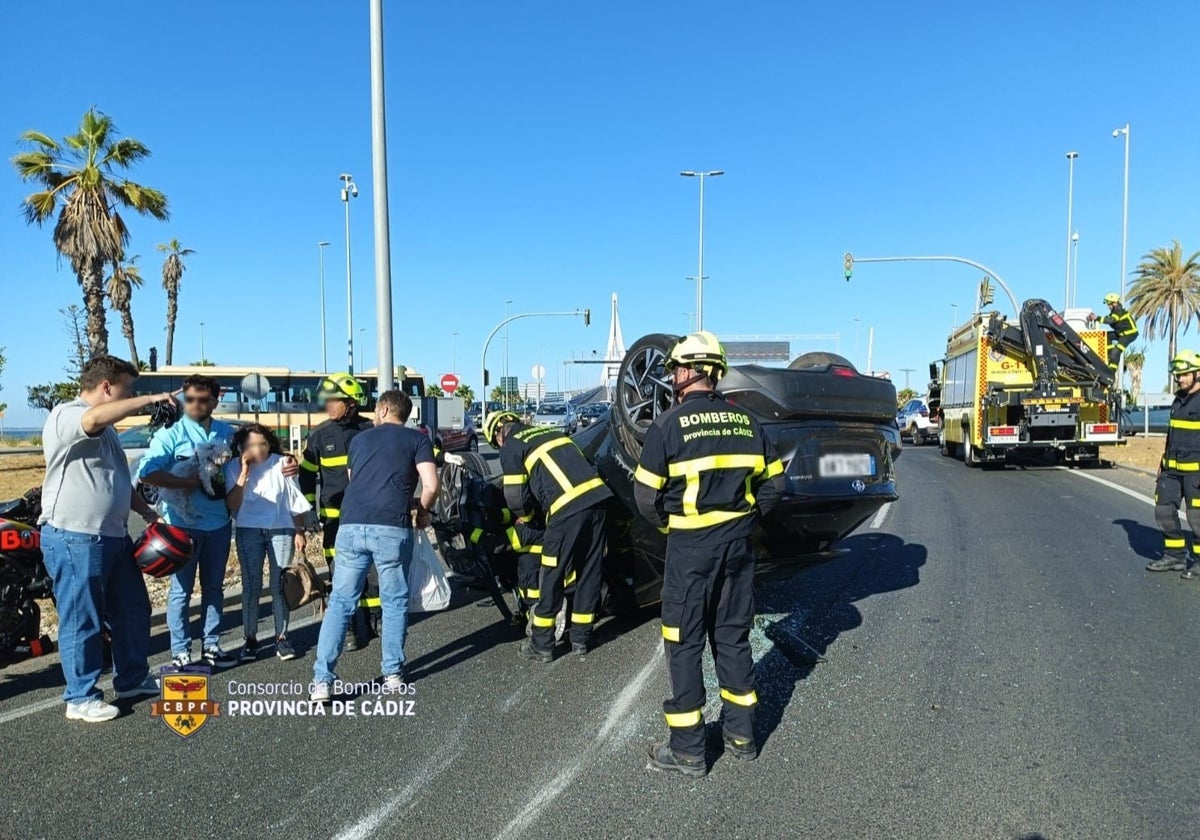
point(1137, 470)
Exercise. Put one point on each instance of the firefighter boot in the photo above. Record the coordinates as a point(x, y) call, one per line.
point(529, 651)
point(664, 758)
point(741, 749)
point(1167, 563)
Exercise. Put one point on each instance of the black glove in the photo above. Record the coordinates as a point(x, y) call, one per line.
point(163, 415)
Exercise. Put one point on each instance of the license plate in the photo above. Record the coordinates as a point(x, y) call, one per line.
point(840, 466)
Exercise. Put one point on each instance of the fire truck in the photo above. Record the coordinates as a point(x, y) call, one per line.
point(1035, 383)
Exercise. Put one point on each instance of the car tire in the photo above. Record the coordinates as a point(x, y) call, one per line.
point(947, 448)
point(918, 439)
point(643, 392)
point(474, 462)
point(819, 359)
point(970, 458)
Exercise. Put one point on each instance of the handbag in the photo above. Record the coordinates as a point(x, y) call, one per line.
point(428, 589)
point(301, 585)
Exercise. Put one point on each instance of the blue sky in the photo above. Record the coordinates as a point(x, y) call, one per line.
point(535, 150)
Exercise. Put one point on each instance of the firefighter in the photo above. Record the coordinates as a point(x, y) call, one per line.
point(706, 477)
point(1179, 471)
point(1124, 328)
point(545, 472)
point(324, 459)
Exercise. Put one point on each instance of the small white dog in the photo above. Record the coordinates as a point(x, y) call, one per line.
point(209, 463)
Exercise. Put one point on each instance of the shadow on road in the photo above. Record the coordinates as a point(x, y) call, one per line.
point(817, 607)
point(1144, 540)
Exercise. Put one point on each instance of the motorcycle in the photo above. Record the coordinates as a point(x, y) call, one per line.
point(23, 580)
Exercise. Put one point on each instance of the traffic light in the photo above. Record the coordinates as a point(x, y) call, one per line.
point(849, 261)
point(587, 317)
point(986, 293)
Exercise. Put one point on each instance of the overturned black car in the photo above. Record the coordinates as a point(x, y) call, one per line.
point(833, 427)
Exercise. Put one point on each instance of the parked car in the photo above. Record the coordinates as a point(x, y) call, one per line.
point(559, 415)
point(459, 440)
point(917, 422)
point(591, 413)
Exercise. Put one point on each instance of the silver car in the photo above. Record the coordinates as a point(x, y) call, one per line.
point(560, 415)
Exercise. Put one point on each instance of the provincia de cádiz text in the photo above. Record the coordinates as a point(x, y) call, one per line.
point(290, 699)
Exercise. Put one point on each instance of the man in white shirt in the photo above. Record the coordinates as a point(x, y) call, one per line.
point(86, 498)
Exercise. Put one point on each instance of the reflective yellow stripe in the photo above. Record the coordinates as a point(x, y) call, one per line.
point(693, 468)
point(570, 578)
point(515, 479)
point(663, 530)
point(534, 549)
point(539, 454)
point(1195, 503)
point(582, 618)
point(547, 560)
point(1183, 466)
point(476, 535)
point(1133, 331)
point(306, 464)
point(329, 552)
point(704, 520)
point(513, 539)
point(739, 699)
point(749, 495)
point(574, 493)
point(671, 634)
point(368, 602)
point(1174, 543)
point(683, 720)
point(774, 468)
point(1193, 425)
point(335, 461)
point(506, 516)
point(538, 621)
point(331, 513)
point(533, 593)
point(311, 497)
point(648, 478)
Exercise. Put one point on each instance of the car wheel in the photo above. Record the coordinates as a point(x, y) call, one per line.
point(148, 493)
point(948, 449)
point(473, 444)
point(918, 439)
point(970, 457)
point(820, 360)
point(643, 392)
point(474, 462)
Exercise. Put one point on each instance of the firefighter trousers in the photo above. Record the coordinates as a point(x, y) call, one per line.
point(573, 552)
point(1115, 349)
point(1172, 490)
point(368, 616)
point(708, 592)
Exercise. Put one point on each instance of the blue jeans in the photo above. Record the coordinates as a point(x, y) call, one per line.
point(356, 548)
point(96, 578)
point(255, 545)
point(211, 558)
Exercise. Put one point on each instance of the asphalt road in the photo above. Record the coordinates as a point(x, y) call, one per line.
point(998, 664)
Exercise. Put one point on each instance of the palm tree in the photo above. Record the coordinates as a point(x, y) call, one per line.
point(466, 393)
point(1166, 293)
point(172, 273)
point(82, 174)
point(1135, 359)
point(124, 279)
point(433, 391)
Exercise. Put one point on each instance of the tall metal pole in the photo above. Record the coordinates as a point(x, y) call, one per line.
point(1124, 244)
point(700, 269)
point(324, 346)
point(504, 390)
point(349, 190)
point(383, 248)
point(1070, 227)
point(1074, 268)
point(953, 316)
point(454, 353)
point(203, 358)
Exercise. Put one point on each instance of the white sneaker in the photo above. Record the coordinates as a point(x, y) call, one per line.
point(148, 688)
point(181, 660)
point(320, 693)
point(93, 710)
point(393, 683)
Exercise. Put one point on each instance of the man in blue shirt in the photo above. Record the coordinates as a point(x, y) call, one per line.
point(205, 518)
point(376, 527)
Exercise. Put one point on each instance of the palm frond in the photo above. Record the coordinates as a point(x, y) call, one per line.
point(37, 138)
point(145, 200)
point(39, 207)
point(124, 153)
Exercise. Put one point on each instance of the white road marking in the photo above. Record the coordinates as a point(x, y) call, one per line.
point(106, 685)
point(561, 779)
point(882, 515)
point(1112, 485)
point(369, 825)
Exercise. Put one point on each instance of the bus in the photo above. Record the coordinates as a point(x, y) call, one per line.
point(290, 403)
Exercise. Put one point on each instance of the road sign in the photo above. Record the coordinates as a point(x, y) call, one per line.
point(508, 384)
point(256, 386)
point(449, 383)
point(538, 372)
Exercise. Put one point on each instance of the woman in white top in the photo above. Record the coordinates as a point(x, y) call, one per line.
point(268, 510)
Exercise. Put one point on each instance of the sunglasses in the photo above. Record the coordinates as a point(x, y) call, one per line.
point(190, 399)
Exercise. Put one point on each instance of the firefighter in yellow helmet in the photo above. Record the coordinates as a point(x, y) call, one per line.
point(1179, 471)
point(707, 475)
point(546, 473)
point(324, 461)
point(1124, 328)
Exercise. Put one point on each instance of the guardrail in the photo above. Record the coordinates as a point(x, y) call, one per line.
point(21, 450)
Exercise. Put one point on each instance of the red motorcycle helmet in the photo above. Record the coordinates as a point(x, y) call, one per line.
point(162, 549)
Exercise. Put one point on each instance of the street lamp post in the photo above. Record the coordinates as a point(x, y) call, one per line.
point(856, 326)
point(1074, 267)
point(349, 191)
point(1124, 240)
point(203, 358)
point(953, 316)
point(504, 390)
point(1071, 156)
point(454, 352)
point(362, 339)
point(700, 268)
point(324, 348)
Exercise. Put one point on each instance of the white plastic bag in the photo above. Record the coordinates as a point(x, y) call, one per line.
point(428, 589)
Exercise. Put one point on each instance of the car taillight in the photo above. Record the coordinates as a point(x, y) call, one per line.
point(1104, 428)
point(841, 371)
